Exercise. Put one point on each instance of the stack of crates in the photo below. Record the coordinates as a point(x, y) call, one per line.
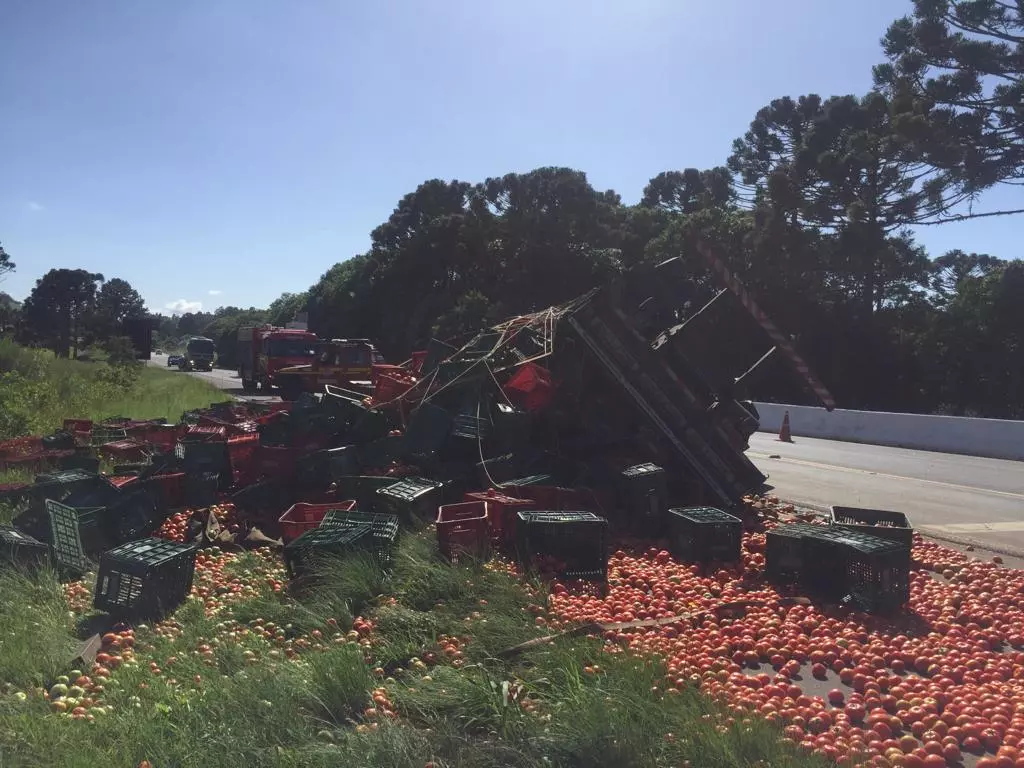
point(643, 496)
point(462, 530)
point(302, 554)
point(76, 534)
point(410, 498)
point(383, 530)
point(784, 552)
point(867, 571)
point(201, 489)
point(145, 578)
point(572, 546)
point(704, 535)
point(21, 549)
point(204, 450)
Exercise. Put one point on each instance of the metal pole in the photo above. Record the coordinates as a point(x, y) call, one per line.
point(664, 336)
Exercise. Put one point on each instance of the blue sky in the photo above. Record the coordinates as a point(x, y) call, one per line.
point(223, 151)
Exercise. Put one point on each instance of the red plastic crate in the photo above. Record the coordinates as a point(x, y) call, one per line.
point(463, 529)
point(161, 436)
point(501, 513)
point(20, 447)
point(119, 481)
point(242, 454)
point(125, 450)
point(205, 432)
point(302, 517)
point(77, 425)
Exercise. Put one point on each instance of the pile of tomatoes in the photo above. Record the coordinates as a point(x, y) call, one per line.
point(943, 680)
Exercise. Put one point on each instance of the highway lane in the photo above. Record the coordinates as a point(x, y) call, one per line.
point(970, 498)
point(218, 377)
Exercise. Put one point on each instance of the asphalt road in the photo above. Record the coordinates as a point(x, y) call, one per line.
point(965, 497)
point(218, 377)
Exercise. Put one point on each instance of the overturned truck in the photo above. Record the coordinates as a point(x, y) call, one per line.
point(578, 392)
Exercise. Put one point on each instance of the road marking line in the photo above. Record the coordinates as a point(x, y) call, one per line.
point(978, 527)
point(852, 470)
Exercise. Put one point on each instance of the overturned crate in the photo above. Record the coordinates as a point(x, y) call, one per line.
point(303, 516)
point(704, 535)
point(145, 578)
point(874, 522)
point(410, 498)
point(21, 549)
point(643, 496)
point(384, 530)
point(303, 555)
point(76, 535)
point(869, 572)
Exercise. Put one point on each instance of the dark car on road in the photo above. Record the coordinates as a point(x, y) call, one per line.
point(173, 360)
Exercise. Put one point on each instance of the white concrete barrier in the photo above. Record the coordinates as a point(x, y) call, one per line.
point(994, 438)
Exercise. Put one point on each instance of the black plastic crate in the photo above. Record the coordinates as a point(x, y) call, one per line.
point(512, 429)
point(301, 554)
point(147, 577)
point(342, 461)
point(313, 471)
point(867, 571)
point(570, 545)
point(363, 488)
point(643, 495)
point(705, 534)
point(137, 514)
point(204, 456)
point(429, 428)
point(61, 483)
point(524, 482)
point(20, 548)
point(411, 497)
point(784, 552)
point(874, 522)
point(382, 452)
point(76, 534)
point(473, 420)
point(383, 529)
point(59, 441)
point(266, 499)
point(80, 460)
point(201, 489)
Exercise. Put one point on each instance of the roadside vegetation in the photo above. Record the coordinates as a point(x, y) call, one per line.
point(38, 391)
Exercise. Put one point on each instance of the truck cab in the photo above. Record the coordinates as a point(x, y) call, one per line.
point(265, 350)
point(199, 355)
point(344, 363)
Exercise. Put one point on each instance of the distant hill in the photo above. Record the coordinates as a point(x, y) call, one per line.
point(7, 301)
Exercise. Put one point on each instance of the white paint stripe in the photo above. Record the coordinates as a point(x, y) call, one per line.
point(977, 527)
point(852, 470)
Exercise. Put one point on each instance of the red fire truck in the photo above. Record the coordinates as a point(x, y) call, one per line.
point(264, 350)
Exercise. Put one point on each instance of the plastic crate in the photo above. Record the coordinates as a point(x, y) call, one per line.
point(428, 429)
point(76, 534)
point(148, 577)
point(160, 436)
point(102, 434)
point(784, 552)
point(342, 462)
point(265, 500)
point(203, 432)
point(528, 481)
point(411, 497)
point(313, 471)
point(874, 522)
point(381, 453)
point(77, 425)
point(383, 530)
point(80, 460)
point(61, 483)
point(870, 572)
point(60, 440)
point(204, 456)
point(300, 555)
point(473, 421)
point(363, 488)
point(705, 534)
point(135, 516)
point(502, 511)
point(463, 530)
point(201, 489)
point(242, 457)
point(124, 450)
point(20, 548)
point(276, 461)
point(172, 488)
point(302, 517)
point(643, 496)
point(554, 497)
point(570, 545)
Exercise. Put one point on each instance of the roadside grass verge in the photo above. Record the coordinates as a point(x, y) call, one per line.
point(428, 643)
point(38, 391)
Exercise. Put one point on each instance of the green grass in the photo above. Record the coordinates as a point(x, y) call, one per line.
point(254, 707)
point(38, 391)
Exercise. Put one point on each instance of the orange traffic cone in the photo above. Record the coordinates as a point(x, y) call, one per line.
point(784, 434)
